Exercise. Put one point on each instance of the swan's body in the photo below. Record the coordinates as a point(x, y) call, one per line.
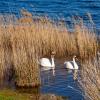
point(45, 62)
point(71, 64)
point(48, 63)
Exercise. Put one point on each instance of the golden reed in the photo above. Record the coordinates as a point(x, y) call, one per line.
point(90, 79)
point(24, 40)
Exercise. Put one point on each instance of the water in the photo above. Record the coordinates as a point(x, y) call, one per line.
point(58, 83)
point(61, 82)
point(55, 8)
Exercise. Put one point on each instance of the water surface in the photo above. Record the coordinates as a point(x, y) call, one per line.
point(61, 82)
point(55, 8)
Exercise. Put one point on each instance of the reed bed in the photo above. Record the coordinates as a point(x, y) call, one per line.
point(27, 69)
point(87, 43)
point(18, 59)
point(24, 40)
point(90, 79)
point(55, 36)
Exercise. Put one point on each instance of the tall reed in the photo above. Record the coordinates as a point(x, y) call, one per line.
point(50, 36)
point(26, 67)
point(90, 79)
point(24, 40)
point(86, 41)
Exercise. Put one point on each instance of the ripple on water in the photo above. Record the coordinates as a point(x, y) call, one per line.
point(54, 8)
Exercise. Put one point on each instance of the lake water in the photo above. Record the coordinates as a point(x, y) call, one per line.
point(55, 8)
point(58, 83)
point(61, 82)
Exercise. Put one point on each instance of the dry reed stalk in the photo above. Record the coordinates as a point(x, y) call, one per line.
point(86, 41)
point(26, 67)
point(51, 36)
point(90, 79)
point(6, 56)
point(2, 58)
point(22, 41)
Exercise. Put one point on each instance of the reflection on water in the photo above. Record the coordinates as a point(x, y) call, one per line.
point(75, 74)
point(61, 82)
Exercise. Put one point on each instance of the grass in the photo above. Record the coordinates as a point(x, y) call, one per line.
point(12, 95)
point(7, 94)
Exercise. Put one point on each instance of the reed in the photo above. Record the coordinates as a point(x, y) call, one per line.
point(18, 57)
point(55, 36)
point(24, 40)
point(90, 79)
point(87, 43)
point(26, 67)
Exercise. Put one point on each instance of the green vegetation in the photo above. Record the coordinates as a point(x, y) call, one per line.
point(12, 95)
point(7, 94)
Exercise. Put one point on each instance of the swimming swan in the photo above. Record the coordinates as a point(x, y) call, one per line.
point(45, 62)
point(71, 64)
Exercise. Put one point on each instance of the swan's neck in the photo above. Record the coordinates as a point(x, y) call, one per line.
point(74, 60)
point(75, 64)
point(52, 62)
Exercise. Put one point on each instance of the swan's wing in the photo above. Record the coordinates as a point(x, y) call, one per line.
point(45, 62)
point(76, 66)
point(69, 64)
point(72, 63)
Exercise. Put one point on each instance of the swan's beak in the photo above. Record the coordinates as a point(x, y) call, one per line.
point(77, 59)
point(53, 53)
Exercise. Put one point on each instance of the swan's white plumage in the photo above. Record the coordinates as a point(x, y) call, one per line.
point(45, 62)
point(71, 64)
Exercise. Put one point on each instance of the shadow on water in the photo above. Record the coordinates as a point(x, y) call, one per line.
point(58, 84)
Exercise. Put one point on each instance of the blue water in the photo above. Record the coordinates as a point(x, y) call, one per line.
point(55, 8)
point(61, 82)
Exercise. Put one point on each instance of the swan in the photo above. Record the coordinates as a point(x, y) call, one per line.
point(47, 63)
point(71, 64)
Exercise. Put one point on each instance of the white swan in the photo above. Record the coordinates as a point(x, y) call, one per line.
point(71, 64)
point(46, 63)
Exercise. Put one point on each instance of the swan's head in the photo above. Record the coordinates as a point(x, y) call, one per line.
point(74, 56)
point(53, 53)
